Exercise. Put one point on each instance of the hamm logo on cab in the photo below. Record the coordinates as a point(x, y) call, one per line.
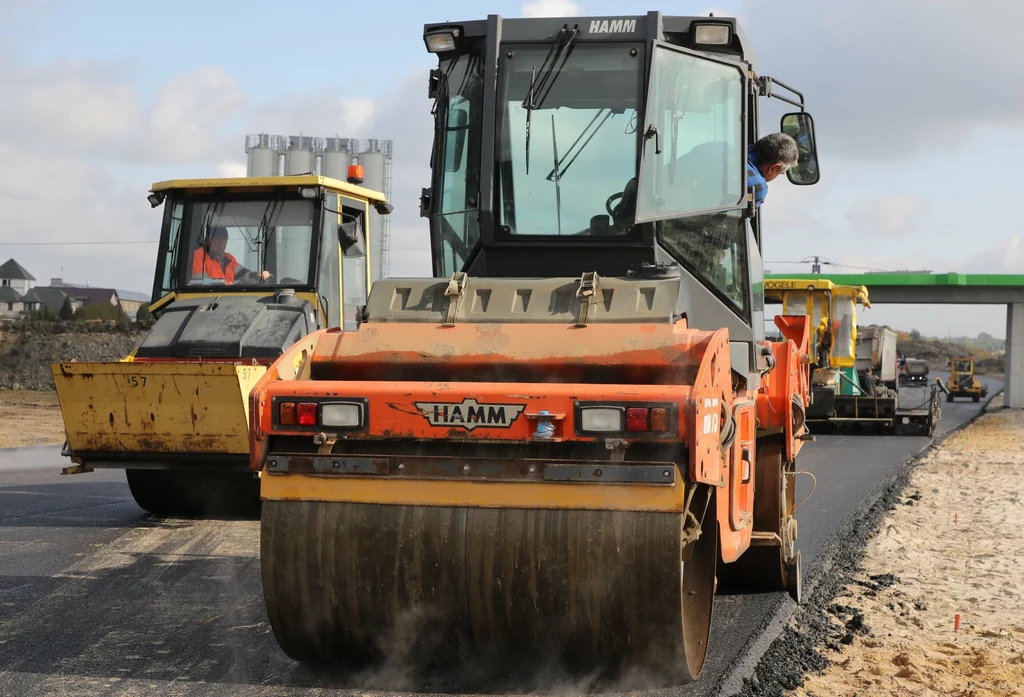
point(470, 414)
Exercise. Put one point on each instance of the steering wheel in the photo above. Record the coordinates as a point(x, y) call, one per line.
point(611, 200)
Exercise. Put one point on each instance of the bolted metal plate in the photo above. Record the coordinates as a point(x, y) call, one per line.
point(350, 465)
point(646, 474)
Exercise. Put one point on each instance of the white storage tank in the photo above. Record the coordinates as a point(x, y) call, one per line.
point(335, 159)
point(261, 157)
point(299, 156)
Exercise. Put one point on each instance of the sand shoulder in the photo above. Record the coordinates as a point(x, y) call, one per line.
point(30, 417)
point(953, 545)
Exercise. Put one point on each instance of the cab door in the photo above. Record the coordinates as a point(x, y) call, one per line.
point(356, 267)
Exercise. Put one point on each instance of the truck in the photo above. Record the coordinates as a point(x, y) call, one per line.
point(551, 449)
point(842, 353)
point(962, 381)
point(174, 412)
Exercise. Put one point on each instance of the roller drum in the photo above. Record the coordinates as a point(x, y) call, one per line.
point(353, 583)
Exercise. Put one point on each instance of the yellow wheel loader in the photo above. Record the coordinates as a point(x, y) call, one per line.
point(245, 268)
point(962, 382)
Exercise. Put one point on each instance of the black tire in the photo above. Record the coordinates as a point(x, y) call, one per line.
point(949, 397)
point(975, 398)
point(196, 494)
point(764, 569)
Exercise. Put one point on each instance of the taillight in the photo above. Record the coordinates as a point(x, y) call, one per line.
point(636, 418)
point(608, 418)
point(306, 413)
point(286, 414)
point(659, 420)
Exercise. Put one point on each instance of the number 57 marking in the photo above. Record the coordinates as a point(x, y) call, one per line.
point(137, 380)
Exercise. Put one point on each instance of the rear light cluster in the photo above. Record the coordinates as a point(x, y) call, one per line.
point(335, 414)
point(625, 419)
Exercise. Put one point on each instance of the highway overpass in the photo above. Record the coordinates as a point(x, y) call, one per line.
point(951, 289)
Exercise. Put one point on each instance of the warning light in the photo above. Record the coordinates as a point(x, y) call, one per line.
point(355, 174)
point(307, 413)
point(636, 419)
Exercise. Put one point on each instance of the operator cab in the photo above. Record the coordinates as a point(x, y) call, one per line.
point(298, 236)
point(608, 145)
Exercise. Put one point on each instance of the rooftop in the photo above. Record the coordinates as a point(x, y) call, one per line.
point(15, 271)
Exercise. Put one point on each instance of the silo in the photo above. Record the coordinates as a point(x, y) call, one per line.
point(373, 178)
point(335, 159)
point(299, 156)
point(261, 157)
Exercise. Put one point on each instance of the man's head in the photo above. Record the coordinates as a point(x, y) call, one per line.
point(871, 371)
point(775, 153)
point(218, 240)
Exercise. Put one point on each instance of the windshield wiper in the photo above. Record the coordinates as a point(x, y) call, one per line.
point(558, 179)
point(547, 74)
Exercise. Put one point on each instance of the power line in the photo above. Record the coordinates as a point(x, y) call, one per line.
point(65, 244)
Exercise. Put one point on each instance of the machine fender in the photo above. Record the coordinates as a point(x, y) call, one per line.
point(711, 409)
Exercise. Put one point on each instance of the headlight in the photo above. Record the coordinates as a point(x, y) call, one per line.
point(441, 41)
point(341, 414)
point(713, 34)
point(601, 419)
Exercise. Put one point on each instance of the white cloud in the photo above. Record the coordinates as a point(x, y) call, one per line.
point(1005, 257)
point(551, 8)
point(230, 168)
point(890, 216)
point(888, 79)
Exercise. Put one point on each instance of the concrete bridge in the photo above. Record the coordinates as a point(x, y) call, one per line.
point(951, 289)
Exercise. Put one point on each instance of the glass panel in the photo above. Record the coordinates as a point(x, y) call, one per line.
point(695, 119)
point(170, 262)
point(714, 248)
point(354, 272)
point(251, 242)
point(583, 142)
point(329, 282)
point(843, 319)
point(457, 221)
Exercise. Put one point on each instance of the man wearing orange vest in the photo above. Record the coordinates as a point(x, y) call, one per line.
point(212, 260)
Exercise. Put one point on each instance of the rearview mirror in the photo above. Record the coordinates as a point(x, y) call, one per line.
point(800, 126)
point(455, 142)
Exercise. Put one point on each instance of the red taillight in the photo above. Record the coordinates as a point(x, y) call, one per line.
point(636, 418)
point(286, 413)
point(306, 412)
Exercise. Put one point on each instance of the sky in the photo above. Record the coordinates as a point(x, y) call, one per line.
point(918, 114)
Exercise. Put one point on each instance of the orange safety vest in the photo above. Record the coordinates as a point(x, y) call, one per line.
point(205, 265)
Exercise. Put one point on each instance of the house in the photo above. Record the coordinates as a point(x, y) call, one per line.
point(42, 296)
point(131, 302)
point(90, 296)
point(13, 275)
point(10, 302)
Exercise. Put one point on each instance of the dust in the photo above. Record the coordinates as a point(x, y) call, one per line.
point(951, 546)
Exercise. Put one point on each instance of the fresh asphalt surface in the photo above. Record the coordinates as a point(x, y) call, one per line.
point(99, 598)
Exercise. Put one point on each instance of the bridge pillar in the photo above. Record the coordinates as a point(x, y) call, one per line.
point(1013, 395)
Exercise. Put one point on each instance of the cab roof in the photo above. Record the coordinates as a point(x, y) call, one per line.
point(774, 286)
point(246, 183)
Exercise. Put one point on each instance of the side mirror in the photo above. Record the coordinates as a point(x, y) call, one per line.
point(455, 142)
point(800, 126)
point(350, 236)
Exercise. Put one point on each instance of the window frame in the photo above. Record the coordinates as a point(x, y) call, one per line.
point(743, 70)
point(502, 233)
point(183, 273)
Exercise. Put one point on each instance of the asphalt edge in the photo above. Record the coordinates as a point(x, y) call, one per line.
point(864, 519)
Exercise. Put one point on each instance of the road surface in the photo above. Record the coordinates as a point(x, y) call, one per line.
point(98, 598)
